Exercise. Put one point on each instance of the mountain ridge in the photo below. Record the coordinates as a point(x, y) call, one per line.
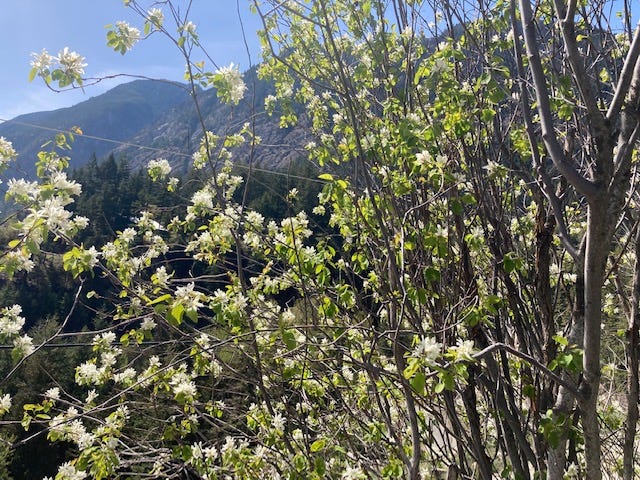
point(146, 119)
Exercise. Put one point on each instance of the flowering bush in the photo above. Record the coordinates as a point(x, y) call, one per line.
point(427, 330)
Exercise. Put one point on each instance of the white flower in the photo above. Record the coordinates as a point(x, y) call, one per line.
point(87, 373)
point(17, 260)
point(172, 183)
point(91, 396)
point(80, 222)
point(155, 17)
point(161, 277)
point(54, 213)
point(197, 452)
point(104, 339)
point(23, 345)
point(127, 235)
point(210, 453)
point(353, 473)
point(7, 152)
point(5, 403)
point(66, 471)
point(202, 199)
point(53, 393)
point(22, 190)
point(440, 66)
point(60, 181)
point(229, 445)
point(125, 377)
point(147, 324)
point(428, 349)
point(41, 61)
point(85, 440)
point(127, 35)
point(230, 84)
point(159, 168)
point(90, 256)
point(189, 28)
point(188, 297)
point(183, 386)
point(10, 321)
point(423, 158)
point(464, 350)
point(277, 422)
point(71, 62)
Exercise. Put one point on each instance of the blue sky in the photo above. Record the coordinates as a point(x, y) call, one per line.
point(31, 25)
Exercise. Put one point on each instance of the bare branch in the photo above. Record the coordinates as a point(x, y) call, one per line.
point(566, 168)
point(625, 77)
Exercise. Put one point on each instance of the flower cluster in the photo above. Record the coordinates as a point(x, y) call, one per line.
point(123, 37)
point(7, 153)
point(231, 87)
point(66, 69)
point(158, 169)
point(155, 17)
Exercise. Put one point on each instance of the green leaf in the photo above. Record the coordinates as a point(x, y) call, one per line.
point(174, 315)
point(289, 339)
point(418, 383)
point(560, 340)
point(160, 299)
point(318, 445)
point(192, 314)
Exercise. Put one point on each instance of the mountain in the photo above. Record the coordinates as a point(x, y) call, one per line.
point(146, 119)
point(177, 133)
point(116, 115)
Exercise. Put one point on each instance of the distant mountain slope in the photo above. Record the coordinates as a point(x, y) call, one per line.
point(177, 133)
point(148, 119)
point(117, 114)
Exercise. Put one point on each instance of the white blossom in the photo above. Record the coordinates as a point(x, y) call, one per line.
point(188, 297)
point(41, 61)
point(71, 62)
point(7, 152)
point(53, 393)
point(67, 471)
point(277, 422)
point(464, 350)
point(5, 403)
point(183, 386)
point(147, 324)
point(91, 396)
point(155, 17)
point(125, 377)
point(159, 168)
point(189, 28)
point(22, 190)
point(202, 199)
point(127, 34)
point(88, 373)
point(428, 349)
point(24, 345)
point(232, 82)
point(353, 473)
